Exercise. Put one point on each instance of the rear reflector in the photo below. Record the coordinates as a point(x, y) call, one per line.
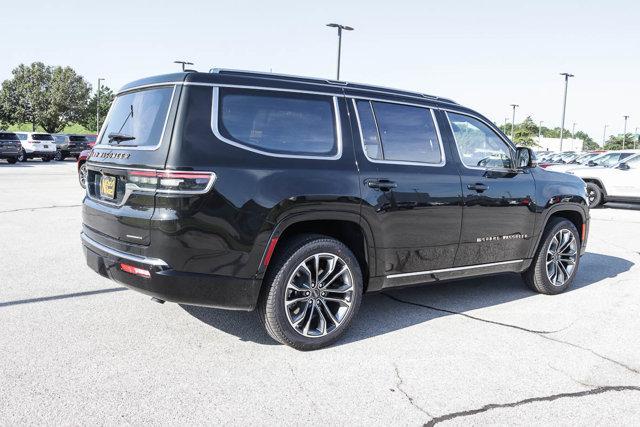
point(270, 249)
point(584, 230)
point(135, 270)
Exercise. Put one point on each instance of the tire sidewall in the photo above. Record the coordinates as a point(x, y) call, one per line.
point(277, 293)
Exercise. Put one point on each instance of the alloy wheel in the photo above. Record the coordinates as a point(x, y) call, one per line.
point(319, 295)
point(562, 255)
point(82, 176)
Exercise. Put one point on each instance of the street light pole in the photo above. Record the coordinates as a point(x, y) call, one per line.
point(340, 28)
point(604, 135)
point(98, 105)
point(564, 105)
point(513, 118)
point(624, 133)
point(573, 130)
point(540, 131)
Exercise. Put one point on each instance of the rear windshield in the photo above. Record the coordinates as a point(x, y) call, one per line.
point(42, 137)
point(78, 138)
point(8, 136)
point(137, 118)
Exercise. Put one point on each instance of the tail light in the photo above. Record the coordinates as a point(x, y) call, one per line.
point(172, 182)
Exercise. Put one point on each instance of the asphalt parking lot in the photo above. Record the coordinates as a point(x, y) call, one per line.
point(79, 349)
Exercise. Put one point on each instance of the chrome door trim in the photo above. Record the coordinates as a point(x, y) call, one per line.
point(445, 270)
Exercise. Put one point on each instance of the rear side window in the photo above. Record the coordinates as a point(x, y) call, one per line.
point(279, 122)
point(137, 119)
point(399, 132)
point(7, 136)
point(42, 137)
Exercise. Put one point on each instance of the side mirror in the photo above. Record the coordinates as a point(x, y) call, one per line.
point(623, 166)
point(591, 163)
point(525, 158)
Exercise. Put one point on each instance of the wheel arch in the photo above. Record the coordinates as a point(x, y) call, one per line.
point(573, 213)
point(598, 182)
point(349, 228)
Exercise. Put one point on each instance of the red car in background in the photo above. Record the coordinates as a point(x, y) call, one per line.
point(92, 139)
point(82, 168)
point(82, 159)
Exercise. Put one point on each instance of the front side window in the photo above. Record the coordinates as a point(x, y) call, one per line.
point(137, 119)
point(398, 132)
point(279, 122)
point(479, 146)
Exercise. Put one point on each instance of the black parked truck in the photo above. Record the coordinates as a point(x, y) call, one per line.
point(294, 196)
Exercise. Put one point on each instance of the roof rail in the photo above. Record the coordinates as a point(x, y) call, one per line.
point(317, 80)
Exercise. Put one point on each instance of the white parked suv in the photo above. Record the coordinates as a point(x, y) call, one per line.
point(620, 183)
point(608, 159)
point(36, 144)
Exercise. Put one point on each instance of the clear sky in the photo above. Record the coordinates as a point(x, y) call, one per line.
point(484, 54)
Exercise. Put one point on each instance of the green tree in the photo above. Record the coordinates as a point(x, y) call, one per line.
point(615, 142)
point(50, 97)
point(88, 119)
point(589, 143)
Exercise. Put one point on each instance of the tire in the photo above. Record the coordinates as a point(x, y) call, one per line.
point(315, 304)
point(12, 160)
point(46, 159)
point(22, 156)
point(59, 157)
point(82, 175)
point(595, 195)
point(539, 277)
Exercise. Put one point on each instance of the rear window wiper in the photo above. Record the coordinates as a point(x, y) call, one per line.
point(119, 137)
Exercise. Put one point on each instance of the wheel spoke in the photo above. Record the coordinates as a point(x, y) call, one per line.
point(316, 263)
point(296, 300)
point(299, 320)
point(326, 309)
point(338, 274)
point(338, 300)
point(331, 266)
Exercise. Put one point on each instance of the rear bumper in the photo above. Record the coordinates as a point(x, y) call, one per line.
point(9, 153)
point(39, 153)
point(170, 285)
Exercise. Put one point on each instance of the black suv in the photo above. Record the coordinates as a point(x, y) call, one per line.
point(295, 196)
point(9, 147)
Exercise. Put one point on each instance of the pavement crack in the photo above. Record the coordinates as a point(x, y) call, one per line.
point(541, 334)
point(493, 322)
point(40, 208)
point(589, 386)
point(409, 398)
point(550, 398)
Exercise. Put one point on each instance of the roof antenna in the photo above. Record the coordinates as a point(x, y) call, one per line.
point(184, 63)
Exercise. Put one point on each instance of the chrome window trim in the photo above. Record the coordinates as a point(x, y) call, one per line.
point(444, 270)
point(89, 242)
point(443, 160)
point(164, 126)
point(215, 118)
point(509, 144)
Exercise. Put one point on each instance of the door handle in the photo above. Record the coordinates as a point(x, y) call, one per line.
point(381, 184)
point(478, 186)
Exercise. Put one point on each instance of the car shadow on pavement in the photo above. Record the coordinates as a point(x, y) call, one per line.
point(381, 313)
